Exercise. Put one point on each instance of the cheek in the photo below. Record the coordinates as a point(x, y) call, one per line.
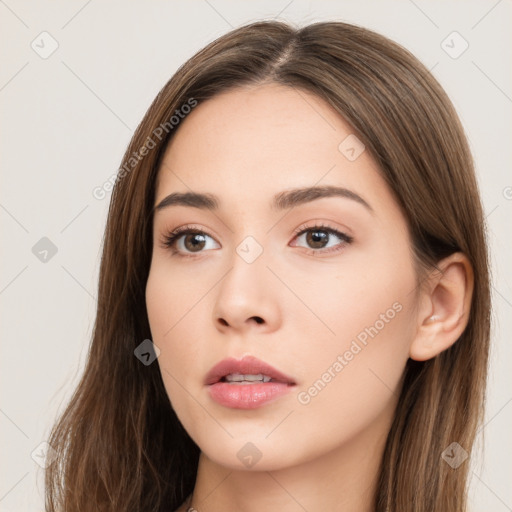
point(361, 294)
point(171, 296)
point(168, 301)
point(173, 302)
point(355, 373)
point(351, 383)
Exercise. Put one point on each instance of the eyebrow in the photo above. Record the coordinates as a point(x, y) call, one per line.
point(281, 201)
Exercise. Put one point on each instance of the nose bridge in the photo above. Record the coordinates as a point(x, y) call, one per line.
point(244, 292)
point(248, 267)
point(250, 249)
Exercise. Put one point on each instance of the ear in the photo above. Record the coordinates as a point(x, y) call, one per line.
point(445, 302)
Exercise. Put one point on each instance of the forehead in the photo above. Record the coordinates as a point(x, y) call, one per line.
point(259, 140)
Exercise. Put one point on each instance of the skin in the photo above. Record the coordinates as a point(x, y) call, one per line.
point(245, 146)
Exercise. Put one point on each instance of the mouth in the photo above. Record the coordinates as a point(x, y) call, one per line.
point(247, 370)
point(247, 383)
point(238, 378)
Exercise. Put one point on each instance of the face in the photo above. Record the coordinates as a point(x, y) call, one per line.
point(318, 286)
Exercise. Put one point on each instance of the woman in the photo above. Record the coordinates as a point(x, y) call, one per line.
point(294, 303)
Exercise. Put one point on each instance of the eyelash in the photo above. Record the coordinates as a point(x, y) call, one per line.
point(169, 240)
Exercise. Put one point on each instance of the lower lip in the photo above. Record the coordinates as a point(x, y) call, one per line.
point(247, 396)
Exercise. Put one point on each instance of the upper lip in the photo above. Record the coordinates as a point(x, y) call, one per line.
point(248, 365)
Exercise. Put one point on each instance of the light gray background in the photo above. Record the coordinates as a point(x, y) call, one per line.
point(68, 118)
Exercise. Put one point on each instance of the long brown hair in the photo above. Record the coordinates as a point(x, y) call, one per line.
point(119, 444)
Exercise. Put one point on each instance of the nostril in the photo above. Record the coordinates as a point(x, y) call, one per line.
point(258, 319)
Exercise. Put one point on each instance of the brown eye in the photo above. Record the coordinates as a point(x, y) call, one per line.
point(194, 242)
point(323, 237)
point(317, 239)
point(188, 241)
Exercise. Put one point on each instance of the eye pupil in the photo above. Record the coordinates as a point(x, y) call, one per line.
point(317, 237)
point(195, 245)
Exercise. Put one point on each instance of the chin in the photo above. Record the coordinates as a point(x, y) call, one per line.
point(251, 453)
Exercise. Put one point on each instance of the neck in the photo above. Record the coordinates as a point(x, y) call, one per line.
point(343, 479)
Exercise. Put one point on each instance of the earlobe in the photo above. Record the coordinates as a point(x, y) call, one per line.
point(446, 300)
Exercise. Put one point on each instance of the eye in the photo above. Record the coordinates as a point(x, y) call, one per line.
point(187, 241)
point(322, 239)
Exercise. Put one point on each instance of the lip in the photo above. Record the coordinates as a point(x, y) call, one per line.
point(248, 365)
point(246, 396)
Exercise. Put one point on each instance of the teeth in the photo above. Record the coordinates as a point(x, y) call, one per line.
point(238, 377)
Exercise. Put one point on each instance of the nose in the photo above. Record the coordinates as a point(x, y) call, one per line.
point(248, 297)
